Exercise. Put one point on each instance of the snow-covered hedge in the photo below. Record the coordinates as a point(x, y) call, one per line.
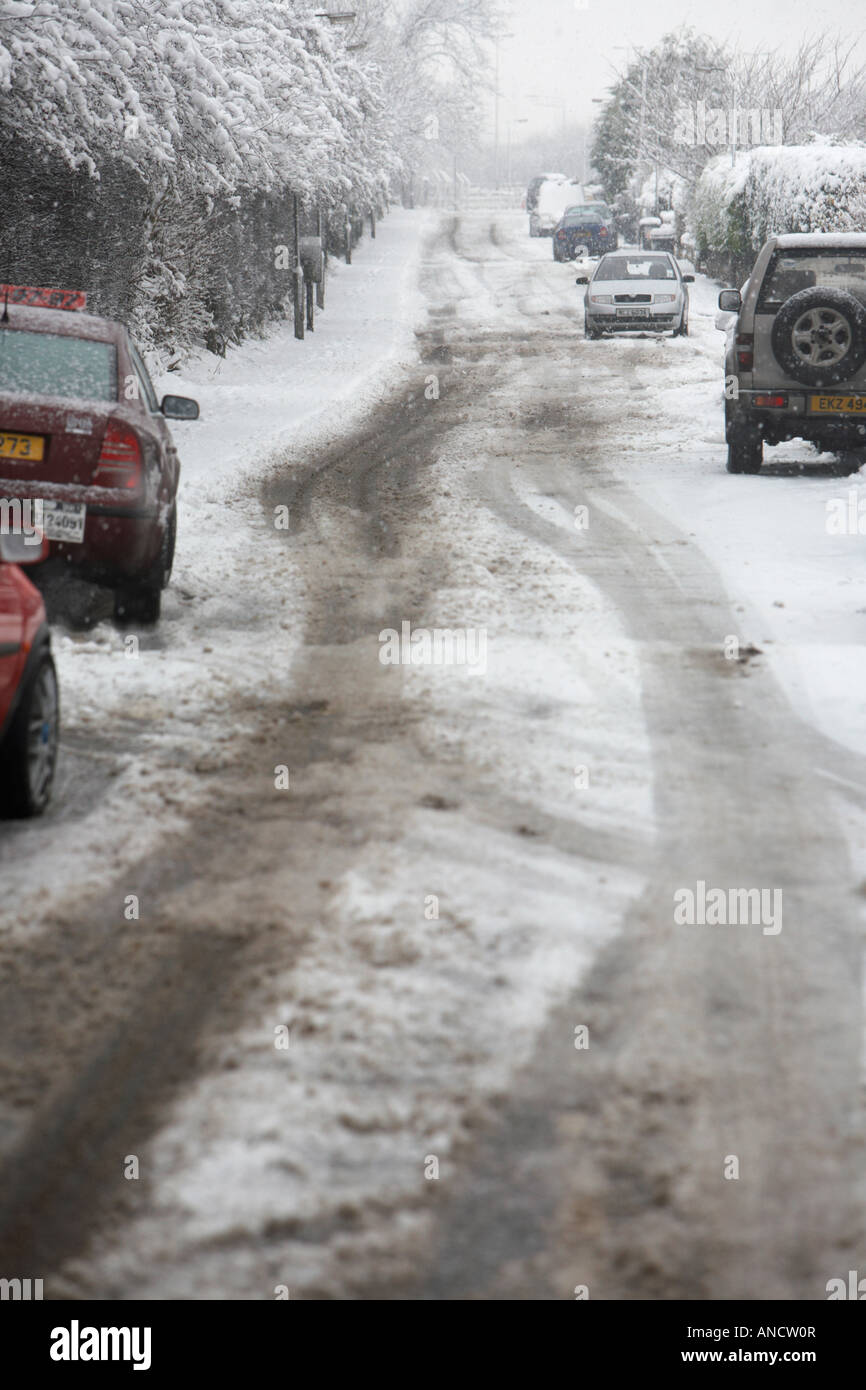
point(151, 152)
point(776, 188)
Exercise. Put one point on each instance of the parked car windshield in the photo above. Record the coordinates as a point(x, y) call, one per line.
point(49, 364)
point(802, 269)
point(635, 268)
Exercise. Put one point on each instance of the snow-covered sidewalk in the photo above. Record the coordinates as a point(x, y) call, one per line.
point(144, 715)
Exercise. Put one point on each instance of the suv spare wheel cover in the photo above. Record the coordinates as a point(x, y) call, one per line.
point(819, 336)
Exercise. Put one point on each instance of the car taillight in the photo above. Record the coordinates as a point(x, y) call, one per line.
point(602, 231)
point(745, 356)
point(777, 401)
point(120, 458)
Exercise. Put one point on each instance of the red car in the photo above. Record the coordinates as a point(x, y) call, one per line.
point(81, 430)
point(29, 707)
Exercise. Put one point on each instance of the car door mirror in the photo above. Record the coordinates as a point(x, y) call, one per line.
point(16, 548)
point(730, 301)
point(581, 280)
point(688, 279)
point(179, 408)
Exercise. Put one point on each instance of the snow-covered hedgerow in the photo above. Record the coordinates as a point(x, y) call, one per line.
point(151, 152)
point(776, 188)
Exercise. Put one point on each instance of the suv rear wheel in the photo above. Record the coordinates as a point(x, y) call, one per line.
point(745, 453)
point(852, 459)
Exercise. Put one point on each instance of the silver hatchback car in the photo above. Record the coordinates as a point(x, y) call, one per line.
point(631, 290)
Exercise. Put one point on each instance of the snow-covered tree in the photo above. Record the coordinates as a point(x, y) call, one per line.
point(684, 101)
point(155, 150)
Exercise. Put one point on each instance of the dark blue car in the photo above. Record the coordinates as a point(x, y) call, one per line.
point(591, 226)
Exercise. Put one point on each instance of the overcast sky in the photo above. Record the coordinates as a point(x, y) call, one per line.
point(561, 51)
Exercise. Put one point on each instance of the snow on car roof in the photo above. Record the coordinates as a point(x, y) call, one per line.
point(818, 239)
point(61, 321)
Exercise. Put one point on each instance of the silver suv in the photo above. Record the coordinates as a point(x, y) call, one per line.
point(796, 358)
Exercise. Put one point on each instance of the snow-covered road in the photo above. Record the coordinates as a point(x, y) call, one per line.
point(469, 866)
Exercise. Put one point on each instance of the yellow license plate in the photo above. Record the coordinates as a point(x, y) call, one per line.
point(22, 446)
point(837, 405)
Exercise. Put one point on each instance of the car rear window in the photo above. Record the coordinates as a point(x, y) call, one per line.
point(51, 364)
point(804, 269)
point(636, 268)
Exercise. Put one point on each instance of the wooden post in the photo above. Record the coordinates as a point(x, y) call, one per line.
point(298, 276)
point(322, 231)
point(373, 224)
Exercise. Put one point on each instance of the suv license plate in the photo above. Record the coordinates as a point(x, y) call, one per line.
point(837, 405)
point(64, 521)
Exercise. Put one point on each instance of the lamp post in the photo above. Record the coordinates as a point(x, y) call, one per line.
point(730, 76)
point(641, 92)
point(517, 120)
point(627, 48)
point(496, 94)
point(560, 106)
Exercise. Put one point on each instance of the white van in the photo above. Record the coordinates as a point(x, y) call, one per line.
point(554, 196)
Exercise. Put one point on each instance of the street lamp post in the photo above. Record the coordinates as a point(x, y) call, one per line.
point(627, 48)
point(496, 42)
point(730, 76)
point(517, 120)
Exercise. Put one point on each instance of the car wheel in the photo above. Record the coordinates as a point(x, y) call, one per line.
point(141, 601)
point(169, 540)
point(745, 453)
point(819, 336)
point(29, 753)
point(682, 331)
point(592, 333)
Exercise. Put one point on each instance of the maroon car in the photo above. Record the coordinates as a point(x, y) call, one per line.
point(82, 432)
